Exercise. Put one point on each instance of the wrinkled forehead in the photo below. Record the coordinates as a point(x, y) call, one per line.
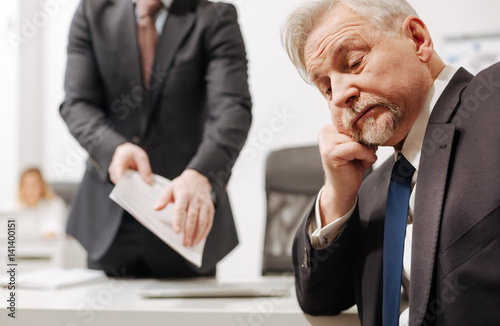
point(335, 21)
point(334, 31)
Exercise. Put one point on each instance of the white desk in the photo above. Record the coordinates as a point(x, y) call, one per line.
point(115, 302)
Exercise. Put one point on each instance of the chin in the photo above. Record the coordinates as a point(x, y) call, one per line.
point(376, 132)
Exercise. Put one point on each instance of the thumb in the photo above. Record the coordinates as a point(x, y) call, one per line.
point(116, 172)
point(166, 197)
point(144, 168)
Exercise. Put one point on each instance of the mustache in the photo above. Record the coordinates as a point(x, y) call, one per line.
point(358, 106)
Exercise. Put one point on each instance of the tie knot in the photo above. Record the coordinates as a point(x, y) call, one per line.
point(148, 7)
point(402, 170)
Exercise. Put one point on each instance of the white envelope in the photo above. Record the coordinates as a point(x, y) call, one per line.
point(138, 198)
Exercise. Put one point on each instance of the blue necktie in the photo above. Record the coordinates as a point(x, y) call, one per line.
point(396, 216)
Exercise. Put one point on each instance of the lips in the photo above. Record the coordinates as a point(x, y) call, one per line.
point(361, 114)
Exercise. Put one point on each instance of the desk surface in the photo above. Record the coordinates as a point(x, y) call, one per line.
point(115, 302)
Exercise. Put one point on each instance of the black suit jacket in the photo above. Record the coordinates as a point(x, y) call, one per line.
point(195, 115)
point(455, 267)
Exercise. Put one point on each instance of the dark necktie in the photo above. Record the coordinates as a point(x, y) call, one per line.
point(147, 35)
point(396, 216)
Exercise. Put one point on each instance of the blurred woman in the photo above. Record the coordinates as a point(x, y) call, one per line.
point(36, 196)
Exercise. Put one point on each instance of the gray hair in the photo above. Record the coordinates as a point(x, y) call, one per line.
point(386, 15)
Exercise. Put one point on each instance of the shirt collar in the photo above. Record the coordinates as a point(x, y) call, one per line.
point(412, 146)
point(166, 3)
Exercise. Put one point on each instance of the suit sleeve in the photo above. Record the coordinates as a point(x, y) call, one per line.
point(228, 99)
point(82, 108)
point(323, 277)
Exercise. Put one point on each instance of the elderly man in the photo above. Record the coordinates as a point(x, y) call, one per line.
point(432, 225)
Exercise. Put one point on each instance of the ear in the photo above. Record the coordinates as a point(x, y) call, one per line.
point(415, 29)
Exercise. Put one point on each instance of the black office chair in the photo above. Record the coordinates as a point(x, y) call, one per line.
point(293, 178)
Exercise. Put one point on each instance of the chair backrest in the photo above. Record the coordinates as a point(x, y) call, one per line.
point(65, 190)
point(293, 178)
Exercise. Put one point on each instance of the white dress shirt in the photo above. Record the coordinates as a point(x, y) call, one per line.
point(321, 237)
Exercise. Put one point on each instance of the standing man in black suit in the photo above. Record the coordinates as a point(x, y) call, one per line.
point(431, 226)
point(156, 86)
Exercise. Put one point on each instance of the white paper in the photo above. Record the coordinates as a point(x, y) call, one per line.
point(138, 198)
point(56, 278)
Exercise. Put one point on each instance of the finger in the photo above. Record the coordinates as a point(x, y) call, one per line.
point(116, 171)
point(111, 174)
point(354, 151)
point(120, 162)
point(143, 166)
point(328, 139)
point(203, 222)
point(329, 135)
point(329, 127)
point(190, 224)
point(366, 165)
point(210, 216)
point(165, 198)
point(180, 208)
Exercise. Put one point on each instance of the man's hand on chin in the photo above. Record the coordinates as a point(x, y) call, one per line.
point(344, 162)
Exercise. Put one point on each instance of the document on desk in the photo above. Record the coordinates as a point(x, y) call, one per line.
point(56, 278)
point(138, 198)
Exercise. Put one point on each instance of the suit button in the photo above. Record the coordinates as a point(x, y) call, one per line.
point(136, 140)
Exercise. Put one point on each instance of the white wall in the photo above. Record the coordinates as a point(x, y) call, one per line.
point(63, 158)
point(9, 77)
point(32, 61)
point(275, 86)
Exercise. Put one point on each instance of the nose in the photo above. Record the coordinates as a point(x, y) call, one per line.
point(344, 91)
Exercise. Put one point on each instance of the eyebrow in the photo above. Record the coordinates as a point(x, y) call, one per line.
point(344, 46)
point(338, 48)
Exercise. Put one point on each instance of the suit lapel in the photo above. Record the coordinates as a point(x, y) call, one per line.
point(430, 193)
point(125, 33)
point(177, 26)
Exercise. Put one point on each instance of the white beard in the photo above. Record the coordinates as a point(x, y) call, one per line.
point(372, 133)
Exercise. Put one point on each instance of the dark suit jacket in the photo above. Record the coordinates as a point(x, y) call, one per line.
point(195, 115)
point(455, 267)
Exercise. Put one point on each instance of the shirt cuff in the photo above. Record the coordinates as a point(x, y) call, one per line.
point(322, 237)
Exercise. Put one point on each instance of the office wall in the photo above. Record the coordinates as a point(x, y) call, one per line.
point(32, 56)
point(9, 78)
point(32, 132)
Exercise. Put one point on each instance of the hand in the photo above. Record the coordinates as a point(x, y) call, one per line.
point(193, 206)
point(49, 236)
point(345, 162)
point(129, 156)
